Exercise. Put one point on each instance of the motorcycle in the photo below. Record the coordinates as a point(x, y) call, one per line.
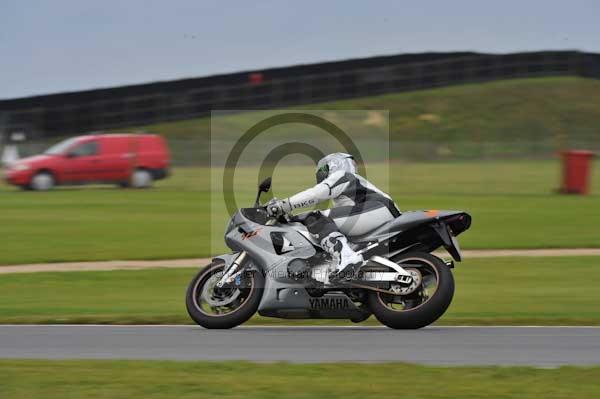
point(278, 269)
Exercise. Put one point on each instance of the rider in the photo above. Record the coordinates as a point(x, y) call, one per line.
point(358, 207)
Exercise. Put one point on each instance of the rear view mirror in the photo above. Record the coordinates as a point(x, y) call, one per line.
point(265, 186)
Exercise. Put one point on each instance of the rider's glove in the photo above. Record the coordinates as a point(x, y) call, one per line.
point(277, 207)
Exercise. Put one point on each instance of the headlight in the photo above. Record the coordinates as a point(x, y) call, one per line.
point(21, 166)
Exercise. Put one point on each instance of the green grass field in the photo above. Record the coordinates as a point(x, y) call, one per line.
point(162, 379)
point(512, 203)
point(519, 291)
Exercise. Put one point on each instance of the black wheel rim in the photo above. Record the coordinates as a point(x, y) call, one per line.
point(426, 291)
point(214, 302)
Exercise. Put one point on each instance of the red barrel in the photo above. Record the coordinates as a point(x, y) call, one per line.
point(577, 166)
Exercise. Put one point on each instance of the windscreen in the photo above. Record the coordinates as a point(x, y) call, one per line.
point(257, 215)
point(60, 148)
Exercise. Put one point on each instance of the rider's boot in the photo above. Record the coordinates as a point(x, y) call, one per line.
point(347, 261)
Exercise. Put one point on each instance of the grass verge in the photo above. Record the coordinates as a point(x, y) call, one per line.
point(517, 291)
point(512, 204)
point(164, 379)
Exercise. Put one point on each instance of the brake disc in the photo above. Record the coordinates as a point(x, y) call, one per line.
point(208, 293)
point(417, 278)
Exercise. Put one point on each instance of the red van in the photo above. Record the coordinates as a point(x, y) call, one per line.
point(134, 160)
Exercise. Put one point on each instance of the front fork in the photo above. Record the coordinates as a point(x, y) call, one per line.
point(232, 271)
point(235, 268)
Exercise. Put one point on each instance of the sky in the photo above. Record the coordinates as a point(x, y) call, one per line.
point(68, 45)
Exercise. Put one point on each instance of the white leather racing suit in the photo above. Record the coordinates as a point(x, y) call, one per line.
point(358, 207)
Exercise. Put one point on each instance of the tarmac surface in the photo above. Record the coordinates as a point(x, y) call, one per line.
point(438, 345)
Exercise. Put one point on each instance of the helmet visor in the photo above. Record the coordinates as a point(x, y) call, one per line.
point(322, 173)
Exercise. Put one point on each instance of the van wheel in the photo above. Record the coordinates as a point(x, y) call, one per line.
point(141, 178)
point(42, 181)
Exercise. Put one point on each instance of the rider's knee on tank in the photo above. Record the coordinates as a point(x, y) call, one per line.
point(320, 225)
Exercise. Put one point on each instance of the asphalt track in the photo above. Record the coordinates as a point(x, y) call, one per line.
point(536, 346)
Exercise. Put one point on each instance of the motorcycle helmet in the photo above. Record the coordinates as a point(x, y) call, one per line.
point(333, 163)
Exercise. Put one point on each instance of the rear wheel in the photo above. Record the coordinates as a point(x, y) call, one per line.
point(423, 305)
point(141, 178)
point(213, 307)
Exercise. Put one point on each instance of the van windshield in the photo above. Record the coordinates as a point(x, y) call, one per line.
point(60, 148)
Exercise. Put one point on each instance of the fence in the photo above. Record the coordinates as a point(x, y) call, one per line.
point(61, 114)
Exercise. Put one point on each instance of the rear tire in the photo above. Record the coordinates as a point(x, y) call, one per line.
point(141, 178)
point(42, 181)
point(428, 311)
point(229, 320)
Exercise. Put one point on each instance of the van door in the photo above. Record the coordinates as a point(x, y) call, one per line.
point(118, 154)
point(83, 163)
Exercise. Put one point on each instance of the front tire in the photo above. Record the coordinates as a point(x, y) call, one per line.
point(250, 296)
point(42, 181)
point(418, 310)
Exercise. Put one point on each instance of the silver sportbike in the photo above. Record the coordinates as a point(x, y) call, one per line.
point(279, 270)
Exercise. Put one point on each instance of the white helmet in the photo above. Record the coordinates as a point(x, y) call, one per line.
point(333, 163)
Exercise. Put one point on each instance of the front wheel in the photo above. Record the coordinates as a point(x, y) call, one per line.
point(227, 307)
point(42, 181)
point(423, 305)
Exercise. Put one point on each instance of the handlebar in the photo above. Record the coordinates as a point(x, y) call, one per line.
point(285, 217)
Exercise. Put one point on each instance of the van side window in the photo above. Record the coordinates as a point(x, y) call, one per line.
point(85, 149)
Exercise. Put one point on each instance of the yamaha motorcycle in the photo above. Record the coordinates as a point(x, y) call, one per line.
point(278, 269)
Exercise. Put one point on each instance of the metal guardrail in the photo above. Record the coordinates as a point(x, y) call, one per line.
point(56, 115)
